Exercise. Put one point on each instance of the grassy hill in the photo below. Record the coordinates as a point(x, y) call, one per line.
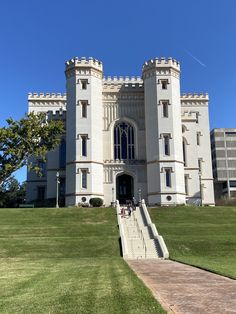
point(200, 236)
point(66, 260)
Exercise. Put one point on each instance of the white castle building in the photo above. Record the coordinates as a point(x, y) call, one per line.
point(126, 136)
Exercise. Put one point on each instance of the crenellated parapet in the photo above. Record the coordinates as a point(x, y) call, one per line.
point(128, 83)
point(47, 96)
point(56, 115)
point(161, 63)
point(192, 96)
point(194, 99)
point(84, 62)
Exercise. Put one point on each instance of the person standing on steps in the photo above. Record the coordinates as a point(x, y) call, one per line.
point(129, 210)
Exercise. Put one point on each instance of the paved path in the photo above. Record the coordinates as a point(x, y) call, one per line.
point(185, 289)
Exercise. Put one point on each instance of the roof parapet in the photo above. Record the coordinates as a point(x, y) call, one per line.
point(84, 62)
point(162, 63)
point(47, 96)
point(192, 96)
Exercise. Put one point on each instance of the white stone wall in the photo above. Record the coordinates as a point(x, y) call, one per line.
point(132, 100)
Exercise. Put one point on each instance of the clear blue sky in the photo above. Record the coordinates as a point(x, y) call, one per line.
point(37, 36)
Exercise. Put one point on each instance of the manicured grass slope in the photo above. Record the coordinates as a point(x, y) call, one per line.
point(204, 237)
point(66, 261)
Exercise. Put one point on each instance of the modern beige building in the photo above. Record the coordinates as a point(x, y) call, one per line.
point(127, 137)
point(223, 146)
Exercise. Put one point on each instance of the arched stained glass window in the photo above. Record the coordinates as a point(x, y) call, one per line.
point(124, 141)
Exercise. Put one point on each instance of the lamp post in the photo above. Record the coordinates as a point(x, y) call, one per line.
point(58, 182)
point(139, 196)
point(112, 197)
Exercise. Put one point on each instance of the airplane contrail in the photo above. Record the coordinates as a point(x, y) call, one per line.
point(195, 58)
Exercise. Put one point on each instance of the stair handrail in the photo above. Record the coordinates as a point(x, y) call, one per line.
point(122, 233)
point(141, 234)
point(159, 238)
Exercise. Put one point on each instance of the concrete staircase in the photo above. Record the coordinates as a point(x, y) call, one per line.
point(139, 236)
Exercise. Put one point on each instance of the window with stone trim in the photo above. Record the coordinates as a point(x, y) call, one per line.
point(84, 84)
point(165, 109)
point(84, 139)
point(198, 138)
point(164, 83)
point(167, 172)
point(84, 108)
point(124, 141)
point(84, 179)
point(166, 138)
point(186, 177)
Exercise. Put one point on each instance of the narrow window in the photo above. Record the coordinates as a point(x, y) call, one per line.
point(84, 179)
point(200, 164)
point(198, 138)
point(184, 152)
point(165, 109)
point(84, 109)
point(167, 145)
point(186, 183)
point(164, 84)
point(197, 117)
point(84, 84)
point(84, 145)
point(168, 177)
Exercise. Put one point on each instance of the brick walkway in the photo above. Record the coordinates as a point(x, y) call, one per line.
point(185, 289)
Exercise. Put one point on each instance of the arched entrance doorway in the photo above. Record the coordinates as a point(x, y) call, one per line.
point(124, 188)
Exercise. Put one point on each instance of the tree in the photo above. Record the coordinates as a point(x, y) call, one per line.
point(31, 136)
point(12, 193)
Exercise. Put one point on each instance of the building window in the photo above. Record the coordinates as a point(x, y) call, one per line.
point(166, 144)
point(198, 138)
point(84, 173)
point(84, 139)
point(185, 152)
point(62, 154)
point(84, 105)
point(186, 183)
point(200, 164)
point(84, 84)
point(164, 84)
point(41, 193)
point(197, 117)
point(168, 177)
point(165, 105)
point(124, 141)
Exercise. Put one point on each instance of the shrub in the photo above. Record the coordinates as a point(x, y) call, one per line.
point(96, 202)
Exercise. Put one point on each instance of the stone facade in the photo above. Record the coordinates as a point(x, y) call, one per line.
point(127, 137)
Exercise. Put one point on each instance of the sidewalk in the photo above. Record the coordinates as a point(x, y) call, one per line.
point(185, 289)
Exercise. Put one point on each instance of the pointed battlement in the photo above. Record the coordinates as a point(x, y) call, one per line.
point(56, 115)
point(84, 62)
point(128, 82)
point(194, 96)
point(46, 96)
point(161, 63)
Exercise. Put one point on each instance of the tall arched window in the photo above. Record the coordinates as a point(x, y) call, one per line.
point(124, 141)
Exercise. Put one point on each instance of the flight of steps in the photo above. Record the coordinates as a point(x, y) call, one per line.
point(139, 239)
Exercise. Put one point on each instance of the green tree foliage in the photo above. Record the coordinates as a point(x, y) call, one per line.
point(31, 136)
point(12, 193)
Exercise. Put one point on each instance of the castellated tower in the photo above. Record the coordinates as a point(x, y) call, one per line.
point(84, 158)
point(164, 151)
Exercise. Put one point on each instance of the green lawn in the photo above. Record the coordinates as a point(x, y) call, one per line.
point(66, 261)
point(200, 236)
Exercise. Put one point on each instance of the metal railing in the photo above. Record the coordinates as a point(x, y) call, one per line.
point(140, 232)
